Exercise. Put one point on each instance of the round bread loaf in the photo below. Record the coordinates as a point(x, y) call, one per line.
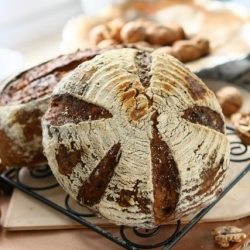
point(24, 100)
point(137, 138)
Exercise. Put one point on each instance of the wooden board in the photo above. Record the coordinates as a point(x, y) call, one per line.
point(26, 212)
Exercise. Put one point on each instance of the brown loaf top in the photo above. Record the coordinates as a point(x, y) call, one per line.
point(23, 101)
point(41, 80)
point(137, 138)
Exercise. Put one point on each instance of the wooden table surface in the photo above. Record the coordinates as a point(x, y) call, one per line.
point(197, 238)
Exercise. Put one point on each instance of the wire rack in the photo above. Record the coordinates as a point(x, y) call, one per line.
point(238, 154)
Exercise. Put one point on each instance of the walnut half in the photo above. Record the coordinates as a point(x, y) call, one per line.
point(226, 234)
point(241, 122)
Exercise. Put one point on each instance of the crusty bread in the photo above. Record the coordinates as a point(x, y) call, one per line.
point(137, 138)
point(23, 101)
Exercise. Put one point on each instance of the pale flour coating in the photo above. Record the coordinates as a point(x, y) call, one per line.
point(24, 99)
point(141, 147)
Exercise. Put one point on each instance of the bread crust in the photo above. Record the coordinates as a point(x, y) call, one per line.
point(23, 101)
point(136, 155)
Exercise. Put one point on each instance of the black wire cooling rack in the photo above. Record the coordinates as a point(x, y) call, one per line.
point(238, 154)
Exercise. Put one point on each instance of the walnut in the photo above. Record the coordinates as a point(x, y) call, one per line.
point(226, 234)
point(107, 43)
point(147, 33)
point(132, 32)
point(186, 50)
point(230, 99)
point(241, 122)
point(202, 43)
point(189, 50)
point(144, 22)
point(98, 33)
point(178, 31)
point(164, 34)
point(167, 50)
point(114, 28)
point(142, 44)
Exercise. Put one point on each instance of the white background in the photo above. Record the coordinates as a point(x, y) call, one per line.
point(22, 21)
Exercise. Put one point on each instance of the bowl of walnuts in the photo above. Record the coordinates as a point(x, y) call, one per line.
point(201, 35)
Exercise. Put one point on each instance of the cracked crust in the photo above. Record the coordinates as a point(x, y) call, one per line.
point(142, 156)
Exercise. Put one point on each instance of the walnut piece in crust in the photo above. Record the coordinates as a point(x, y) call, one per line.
point(241, 122)
point(230, 99)
point(226, 234)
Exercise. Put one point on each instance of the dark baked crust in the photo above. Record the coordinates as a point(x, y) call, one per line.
point(14, 154)
point(40, 80)
point(93, 189)
point(24, 100)
point(79, 111)
point(2, 168)
point(144, 140)
point(205, 116)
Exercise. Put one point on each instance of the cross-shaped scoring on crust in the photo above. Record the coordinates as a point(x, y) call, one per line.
point(137, 138)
